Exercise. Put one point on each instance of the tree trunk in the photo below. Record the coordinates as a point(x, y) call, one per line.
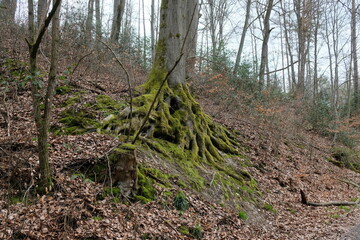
point(264, 49)
point(152, 26)
point(166, 116)
point(243, 35)
point(42, 8)
point(89, 22)
point(354, 57)
point(42, 119)
point(98, 24)
point(191, 40)
point(292, 82)
point(119, 7)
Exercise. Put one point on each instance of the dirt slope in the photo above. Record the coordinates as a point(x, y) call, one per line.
point(283, 163)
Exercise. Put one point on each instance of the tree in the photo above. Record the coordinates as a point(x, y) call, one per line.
point(304, 22)
point(89, 22)
point(165, 111)
point(354, 58)
point(264, 49)
point(98, 19)
point(119, 6)
point(42, 117)
point(243, 35)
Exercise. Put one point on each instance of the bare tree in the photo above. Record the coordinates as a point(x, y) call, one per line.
point(152, 29)
point(89, 22)
point(42, 118)
point(354, 57)
point(264, 49)
point(243, 35)
point(98, 24)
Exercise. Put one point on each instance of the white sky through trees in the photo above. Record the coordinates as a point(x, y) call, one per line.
point(232, 31)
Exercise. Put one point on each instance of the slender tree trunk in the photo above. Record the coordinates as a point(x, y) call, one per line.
point(152, 31)
point(144, 38)
point(98, 24)
point(42, 119)
point(316, 30)
point(243, 35)
point(89, 22)
point(191, 41)
point(354, 56)
point(31, 21)
point(292, 84)
point(264, 49)
point(119, 7)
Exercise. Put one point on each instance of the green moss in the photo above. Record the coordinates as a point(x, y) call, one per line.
point(270, 208)
point(97, 218)
point(243, 215)
point(196, 231)
point(72, 100)
point(15, 200)
point(184, 230)
point(164, 4)
point(62, 90)
point(111, 191)
point(180, 202)
point(146, 188)
point(76, 122)
point(142, 199)
point(108, 105)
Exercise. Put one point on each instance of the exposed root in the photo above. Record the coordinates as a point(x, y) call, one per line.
point(178, 119)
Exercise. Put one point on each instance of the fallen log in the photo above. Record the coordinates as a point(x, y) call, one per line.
point(332, 203)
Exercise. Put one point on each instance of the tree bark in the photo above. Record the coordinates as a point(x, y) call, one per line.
point(42, 119)
point(165, 111)
point(264, 49)
point(152, 27)
point(243, 35)
point(119, 7)
point(98, 24)
point(354, 58)
point(41, 11)
point(89, 22)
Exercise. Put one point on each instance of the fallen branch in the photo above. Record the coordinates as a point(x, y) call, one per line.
point(348, 182)
point(335, 203)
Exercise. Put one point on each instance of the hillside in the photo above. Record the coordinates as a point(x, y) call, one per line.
point(281, 158)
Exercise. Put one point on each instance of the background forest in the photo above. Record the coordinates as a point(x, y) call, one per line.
point(109, 130)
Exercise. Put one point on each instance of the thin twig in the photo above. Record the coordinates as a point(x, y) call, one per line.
point(110, 178)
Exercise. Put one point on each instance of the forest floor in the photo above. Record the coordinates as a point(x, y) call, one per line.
point(285, 159)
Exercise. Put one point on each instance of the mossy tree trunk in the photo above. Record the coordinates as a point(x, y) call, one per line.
point(172, 116)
